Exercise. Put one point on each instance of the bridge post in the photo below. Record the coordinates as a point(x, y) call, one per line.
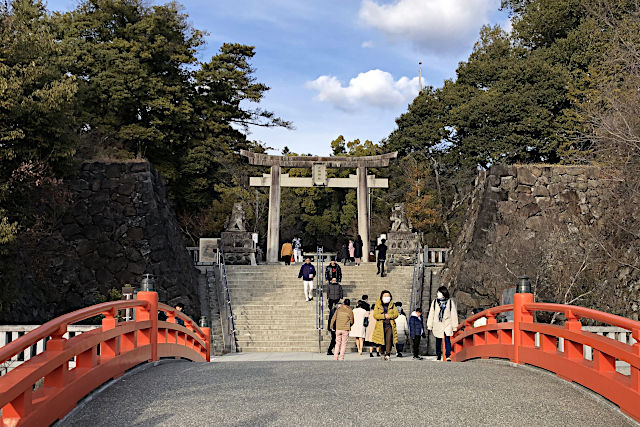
point(635, 372)
point(521, 315)
point(58, 377)
point(207, 332)
point(150, 336)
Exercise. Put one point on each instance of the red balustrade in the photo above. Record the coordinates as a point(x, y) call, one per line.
point(524, 341)
point(122, 346)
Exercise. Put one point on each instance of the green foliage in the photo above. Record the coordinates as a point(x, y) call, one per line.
point(121, 79)
point(522, 97)
point(36, 94)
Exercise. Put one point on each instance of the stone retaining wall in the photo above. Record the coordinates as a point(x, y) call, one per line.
point(515, 207)
point(119, 224)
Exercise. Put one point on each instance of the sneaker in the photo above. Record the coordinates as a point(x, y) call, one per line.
point(399, 355)
point(377, 354)
point(448, 359)
point(418, 358)
point(329, 353)
point(370, 354)
point(378, 272)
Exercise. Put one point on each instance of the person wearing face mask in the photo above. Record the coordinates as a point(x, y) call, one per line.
point(385, 333)
point(443, 321)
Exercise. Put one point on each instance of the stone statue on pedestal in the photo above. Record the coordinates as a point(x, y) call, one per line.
point(237, 243)
point(237, 219)
point(401, 240)
point(399, 219)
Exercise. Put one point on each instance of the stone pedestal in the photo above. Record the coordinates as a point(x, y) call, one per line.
point(402, 247)
point(238, 247)
point(209, 249)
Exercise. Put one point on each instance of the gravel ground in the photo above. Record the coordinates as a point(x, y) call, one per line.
point(366, 392)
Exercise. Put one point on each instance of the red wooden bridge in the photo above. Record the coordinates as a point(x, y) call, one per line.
point(107, 352)
point(121, 345)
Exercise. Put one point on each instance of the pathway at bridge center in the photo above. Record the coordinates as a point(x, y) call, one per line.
point(309, 393)
point(305, 357)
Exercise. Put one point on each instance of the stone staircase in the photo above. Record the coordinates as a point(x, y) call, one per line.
point(272, 315)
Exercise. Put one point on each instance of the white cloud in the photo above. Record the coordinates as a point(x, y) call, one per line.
point(375, 88)
point(367, 44)
point(507, 26)
point(432, 25)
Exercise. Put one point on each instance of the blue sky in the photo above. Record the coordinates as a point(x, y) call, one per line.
point(340, 67)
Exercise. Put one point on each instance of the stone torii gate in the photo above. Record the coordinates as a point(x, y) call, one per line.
point(275, 180)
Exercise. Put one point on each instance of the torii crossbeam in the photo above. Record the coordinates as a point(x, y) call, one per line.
point(275, 180)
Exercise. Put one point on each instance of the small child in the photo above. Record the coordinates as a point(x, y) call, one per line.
point(416, 332)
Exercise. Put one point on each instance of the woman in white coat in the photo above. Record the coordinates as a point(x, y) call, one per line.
point(358, 330)
point(402, 327)
point(443, 321)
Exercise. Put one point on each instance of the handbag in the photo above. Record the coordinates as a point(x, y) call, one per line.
point(366, 322)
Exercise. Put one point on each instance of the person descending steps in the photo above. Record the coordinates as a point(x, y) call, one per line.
point(307, 273)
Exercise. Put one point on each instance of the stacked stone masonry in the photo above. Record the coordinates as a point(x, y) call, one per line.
point(118, 225)
point(515, 204)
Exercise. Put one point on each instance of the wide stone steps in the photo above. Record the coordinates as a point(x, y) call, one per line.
point(271, 314)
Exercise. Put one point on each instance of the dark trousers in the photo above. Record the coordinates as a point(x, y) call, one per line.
point(416, 346)
point(388, 340)
point(287, 259)
point(399, 347)
point(447, 345)
point(332, 344)
point(332, 302)
point(381, 266)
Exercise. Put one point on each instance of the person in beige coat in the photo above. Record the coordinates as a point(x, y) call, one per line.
point(443, 321)
point(341, 323)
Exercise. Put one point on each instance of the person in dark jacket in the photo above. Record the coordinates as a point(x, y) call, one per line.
point(343, 254)
point(307, 273)
point(357, 249)
point(382, 256)
point(334, 293)
point(332, 344)
point(416, 331)
point(365, 302)
point(333, 271)
point(180, 308)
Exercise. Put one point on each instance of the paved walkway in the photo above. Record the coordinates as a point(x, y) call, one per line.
point(359, 393)
point(300, 357)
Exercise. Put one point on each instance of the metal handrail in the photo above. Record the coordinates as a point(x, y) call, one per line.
point(320, 294)
point(231, 334)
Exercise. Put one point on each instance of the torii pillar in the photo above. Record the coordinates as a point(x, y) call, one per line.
point(273, 226)
point(363, 211)
point(275, 181)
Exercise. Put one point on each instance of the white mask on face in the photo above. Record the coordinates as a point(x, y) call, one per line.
point(386, 300)
point(440, 296)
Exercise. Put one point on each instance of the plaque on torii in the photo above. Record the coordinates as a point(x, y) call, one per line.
point(276, 180)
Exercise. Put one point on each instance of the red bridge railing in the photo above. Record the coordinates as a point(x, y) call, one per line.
point(524, 341)
point(121, 345)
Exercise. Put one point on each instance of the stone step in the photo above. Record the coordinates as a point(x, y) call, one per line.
point(279, 349)
point(277, 280)
point(297, 296)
